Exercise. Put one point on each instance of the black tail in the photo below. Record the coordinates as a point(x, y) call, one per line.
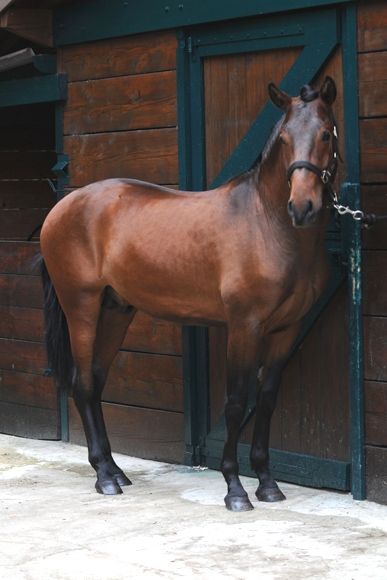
point(60, 360)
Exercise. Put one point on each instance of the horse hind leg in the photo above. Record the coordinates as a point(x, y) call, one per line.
point(96, 333)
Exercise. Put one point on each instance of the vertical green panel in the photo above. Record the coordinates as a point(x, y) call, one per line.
point(351, 193)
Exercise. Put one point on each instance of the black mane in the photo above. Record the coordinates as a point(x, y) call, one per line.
point(308, 94)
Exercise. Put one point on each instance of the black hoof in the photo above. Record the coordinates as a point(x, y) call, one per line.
point(122, 480)
point(108, 487)
point(238, 503)
point(269, 494)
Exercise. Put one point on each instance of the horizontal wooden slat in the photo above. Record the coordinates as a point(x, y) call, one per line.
point(373, 142)
point(19, 355)
point(31, 422)
point(376, 473)
point(372, 84)
point(372, 25)
point(376, 412)
point(26, 194)
point(375, 283)
point(142, 433)
point(148, 334)
point(28, 389)
point(21, 323)
point(121, 104)
point(146, 380)
point(23, 291)
point(18, 257)
point(148, 155)
point(20, 224)
point(374, 200)
point(121, 56)
point(375, 348)
point(26, 164)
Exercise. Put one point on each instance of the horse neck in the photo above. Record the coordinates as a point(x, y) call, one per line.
point(272, 195)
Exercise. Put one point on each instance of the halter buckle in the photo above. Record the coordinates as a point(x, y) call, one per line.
point(325, 176)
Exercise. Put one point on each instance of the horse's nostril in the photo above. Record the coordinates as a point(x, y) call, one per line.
point(310, 207)
point(290, 206)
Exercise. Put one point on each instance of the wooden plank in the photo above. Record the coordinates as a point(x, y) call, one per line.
point(372, 26)
point(148, 334)
point(373, 143)
point(149, 155)
point(18, 257)
point(376, 474)
point(376, 413)
point(122, 56)
point(375, 348)
point(139, 432)
point(375, 283)
point(31, 422)
point(374, 200)
point(146, 380)
point(26, 194)
point(23, 291)
point(372, 84)
point(22, 356)
point(121, 104)
point(26, 164)
point(21, 323)
point(19, 224)
point(28, 389)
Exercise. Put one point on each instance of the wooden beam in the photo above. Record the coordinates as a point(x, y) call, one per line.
point(32, 24)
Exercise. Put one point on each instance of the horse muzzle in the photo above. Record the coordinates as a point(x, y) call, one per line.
point(303, 213)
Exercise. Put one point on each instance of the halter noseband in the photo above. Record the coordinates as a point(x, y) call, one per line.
point(326, 175)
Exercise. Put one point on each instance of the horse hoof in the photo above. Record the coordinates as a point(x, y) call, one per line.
point(108, 487)
point(269, 494)
point(238, 503)
point(122, 480)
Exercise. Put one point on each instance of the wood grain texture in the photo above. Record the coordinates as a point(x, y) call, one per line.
point(19, 224)
point(23, 356)
point(21, 323)
point(149, 155)
point(18, 257)
point(373, 143)
point(146, 380)
point(376, 413)
point(121, 56)
point(148, 334)
point(375, 348)
point(121, 104)
point(23, 291)
point(374, 200)
point(372, 84)
point(28, 389)
point(31, 422)
point(139, 432)
point(376, 474)
point(26, 195)
point(375, 283)
point(372, 25)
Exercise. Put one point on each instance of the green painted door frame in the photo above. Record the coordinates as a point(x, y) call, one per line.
point(318, 32)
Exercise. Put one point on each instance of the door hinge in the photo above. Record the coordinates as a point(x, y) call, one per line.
point(189, 45)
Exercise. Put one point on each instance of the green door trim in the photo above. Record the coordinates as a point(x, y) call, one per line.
point(193, 47)
point(32, 90)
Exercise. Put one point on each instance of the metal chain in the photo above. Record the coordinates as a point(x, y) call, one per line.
point(356, 214)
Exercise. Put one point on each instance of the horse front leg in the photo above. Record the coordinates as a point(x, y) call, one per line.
point(268, 489)
point(242, 351)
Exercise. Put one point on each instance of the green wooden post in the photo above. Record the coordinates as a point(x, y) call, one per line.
point(351, 195)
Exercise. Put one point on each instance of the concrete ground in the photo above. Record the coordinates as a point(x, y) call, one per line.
point(172, 524)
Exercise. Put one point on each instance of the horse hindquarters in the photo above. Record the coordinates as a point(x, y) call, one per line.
point(95, 337)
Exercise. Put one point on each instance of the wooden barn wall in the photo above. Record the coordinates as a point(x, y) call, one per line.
point(28, 398)
point(372, 61)
point(120, 121)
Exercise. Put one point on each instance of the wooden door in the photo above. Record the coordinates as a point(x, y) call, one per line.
point(28, 397)
point(310, 432)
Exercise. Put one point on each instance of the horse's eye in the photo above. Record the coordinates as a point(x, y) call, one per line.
point(281, 140)
point(326, 136)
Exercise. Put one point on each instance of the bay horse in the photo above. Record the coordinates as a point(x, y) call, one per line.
point(248, 254)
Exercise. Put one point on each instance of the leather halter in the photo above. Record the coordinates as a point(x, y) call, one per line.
point(326, 175)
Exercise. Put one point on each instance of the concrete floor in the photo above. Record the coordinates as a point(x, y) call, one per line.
point(172, 524)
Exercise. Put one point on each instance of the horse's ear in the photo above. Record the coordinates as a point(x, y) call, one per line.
point(278, 97)
point(328, 91)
